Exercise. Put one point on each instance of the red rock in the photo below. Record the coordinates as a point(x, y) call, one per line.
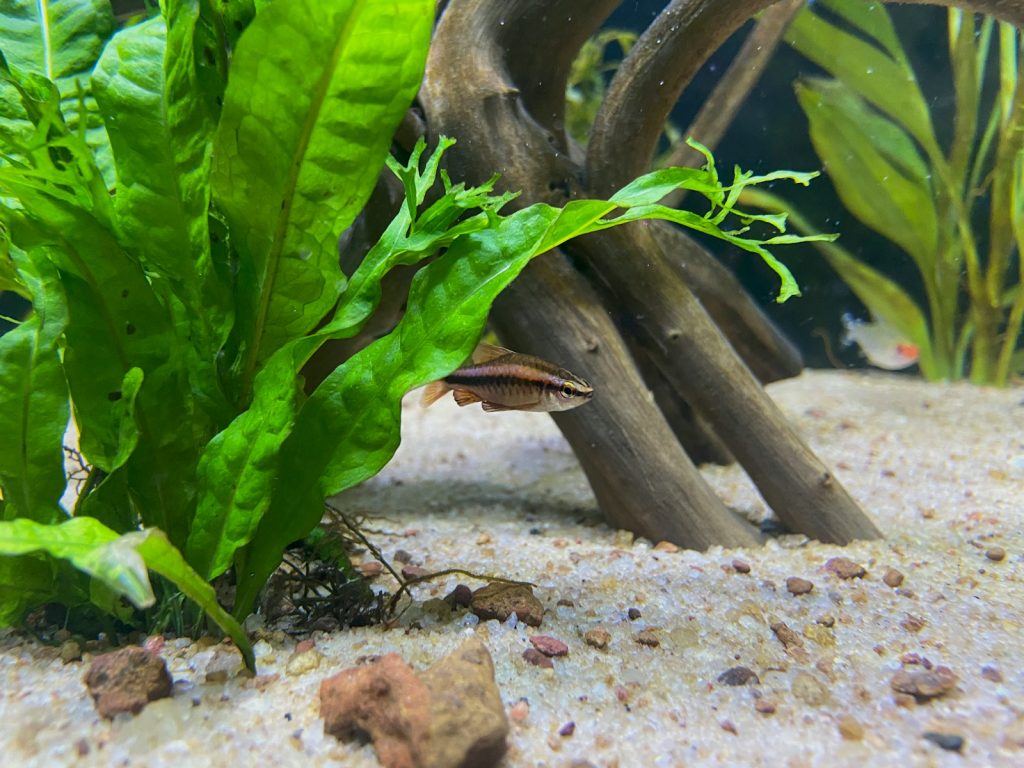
point(449, 717)
point(126, 680)
point(741, 566)
point(549, 646)
point(892, 578)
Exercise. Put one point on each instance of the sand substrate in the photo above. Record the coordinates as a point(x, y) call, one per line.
point(940, 468)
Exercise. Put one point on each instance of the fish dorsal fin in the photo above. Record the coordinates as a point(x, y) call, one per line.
point(485, 352)
point(493, 407)
point(464, 397)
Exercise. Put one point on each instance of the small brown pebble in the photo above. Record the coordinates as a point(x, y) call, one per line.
point(786, 635)
point(739, 676)
point(741, 566)
point(483, 538)
point(995, 554)
point(402, 556)
point(410, 572)
point(827, 620)
point(565, 602)
point(261, 681)
point(764, 706)
point(666, 546)
point(82, 747)
point(634, 614)
point(798, 586)
point(538, 659)
point(904, 700)
point(648, 637)
point(845, 568)
point(519, 711)
point(70, 651)
point(549, 646)
point(913, 623)
point(461, 596)
point(728, 725)
point(849, 728)
point(924, 683)
point(892, 578)
point(991, 674)
point(568, 729)
point(371, 569)
point(597, 638)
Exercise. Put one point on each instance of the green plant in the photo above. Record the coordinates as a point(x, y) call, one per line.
point(174, 311)
point(957, 212)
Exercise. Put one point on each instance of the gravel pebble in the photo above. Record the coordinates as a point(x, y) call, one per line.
point(948, 741)
point(739, 676)
point(924, 683)
point(845, 568)
point(991, 674)
point(786, 635)
point(538, 659)
point(648, 637)
point(633, 614)
point(764, 706)
point(568, 729)
point(741, 566)
point(549, 646)
point(995, 554)
point(850, 728)
point(499, 601)
point(798, 586)
point(892, 578)
point(597, 638)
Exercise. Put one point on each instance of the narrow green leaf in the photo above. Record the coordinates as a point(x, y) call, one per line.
point(34, 401)
point(120, 563)
point(874, 167)
point(161, 556)
point(886, 82)
point(316, 90)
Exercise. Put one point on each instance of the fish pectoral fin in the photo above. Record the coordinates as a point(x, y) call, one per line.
point(433, 392)
point(485, 352)
point(493, 407)
point(464, 397)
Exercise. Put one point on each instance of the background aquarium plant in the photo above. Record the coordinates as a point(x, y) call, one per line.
point(950, 197)
point(172, 195)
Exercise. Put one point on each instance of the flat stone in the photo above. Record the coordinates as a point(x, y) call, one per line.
point(845, 568)
point(499, 601)
point(924, 683)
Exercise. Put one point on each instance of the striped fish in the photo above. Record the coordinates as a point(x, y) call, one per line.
point(503, 380)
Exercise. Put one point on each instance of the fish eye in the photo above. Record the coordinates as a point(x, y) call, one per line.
point(568, 389)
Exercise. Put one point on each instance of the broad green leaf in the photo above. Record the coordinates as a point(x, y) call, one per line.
point(120, 562)
point(316, 90)
point(88, 545)
point(161, 154)
point(874, 171)
point(239, 466)
point(873, 20)
point(61, 41)
point(34, 401)
point(886, 82)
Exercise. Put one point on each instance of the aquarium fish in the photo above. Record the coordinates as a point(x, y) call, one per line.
point(881, 344)
point(504, 380)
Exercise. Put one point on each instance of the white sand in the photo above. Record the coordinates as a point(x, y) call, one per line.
point(941, 469)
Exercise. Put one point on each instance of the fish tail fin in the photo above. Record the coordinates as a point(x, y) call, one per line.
point(433, 392)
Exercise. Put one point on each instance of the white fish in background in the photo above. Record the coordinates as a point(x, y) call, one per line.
point(881, 344)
